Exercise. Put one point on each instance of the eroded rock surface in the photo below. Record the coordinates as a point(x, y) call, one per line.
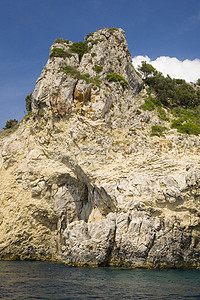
point(83, 182)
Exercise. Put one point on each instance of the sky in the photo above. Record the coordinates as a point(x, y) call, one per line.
point(162, 32)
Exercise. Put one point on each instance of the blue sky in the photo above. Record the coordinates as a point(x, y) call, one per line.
point(153, 28)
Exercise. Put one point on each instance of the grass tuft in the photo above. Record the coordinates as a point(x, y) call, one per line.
point(117, 78)
point(98, 69)
point(74, 73)
point(58, 52)
point(157, 130)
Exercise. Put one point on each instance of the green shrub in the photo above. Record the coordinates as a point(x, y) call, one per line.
point(162, 114)
point(148, 105)
point(74, 73)
point(98, 69)
point(176, 123)
point(187, 114)
point(96, 81)
point(173, 92)
point(112, 29)
point(11, 124)
point(185, 95)
point(28, 115)
point(58, 52)
point(62, 41)
point(156, 101)
point(95, 42)
point(88, 35)
point(180, 81)
point(117, 78)
point(177, 95)
point(186, 127)
point(151, 103)
point(93, 54)
point(149, 92)
point(190, 128)
point(28, 100)
point(157, 130)
point(80, 47)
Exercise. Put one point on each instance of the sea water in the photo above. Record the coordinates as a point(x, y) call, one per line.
point(48, 280)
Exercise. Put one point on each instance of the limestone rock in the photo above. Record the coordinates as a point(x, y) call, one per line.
point(83, 182)
point(86, 90)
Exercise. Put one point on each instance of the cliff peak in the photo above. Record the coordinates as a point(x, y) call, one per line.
point(86, 77)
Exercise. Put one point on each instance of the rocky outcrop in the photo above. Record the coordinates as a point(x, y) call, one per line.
point(71, 82)
point(83, 182)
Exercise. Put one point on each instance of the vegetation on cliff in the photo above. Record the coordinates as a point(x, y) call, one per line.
point(171, 92)
point(11, 123)
point(117, 78)
point(74, 73)
point(176, 96)
point(58, 52)
point(78, 47)
point(28, 100)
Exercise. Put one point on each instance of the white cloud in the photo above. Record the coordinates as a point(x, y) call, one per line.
point(187, 69)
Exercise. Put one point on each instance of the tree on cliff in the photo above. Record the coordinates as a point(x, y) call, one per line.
point(169, 91)
point(146, 70)
point(11, 123)
point(28, 102)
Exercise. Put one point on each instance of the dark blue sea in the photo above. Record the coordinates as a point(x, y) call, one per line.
point(47, 280)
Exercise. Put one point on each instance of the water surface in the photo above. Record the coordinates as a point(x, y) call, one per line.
point(47, 280)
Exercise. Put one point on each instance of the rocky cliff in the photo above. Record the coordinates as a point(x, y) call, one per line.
point(82, 180)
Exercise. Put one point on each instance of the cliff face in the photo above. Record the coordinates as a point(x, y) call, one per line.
point(83, 182)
